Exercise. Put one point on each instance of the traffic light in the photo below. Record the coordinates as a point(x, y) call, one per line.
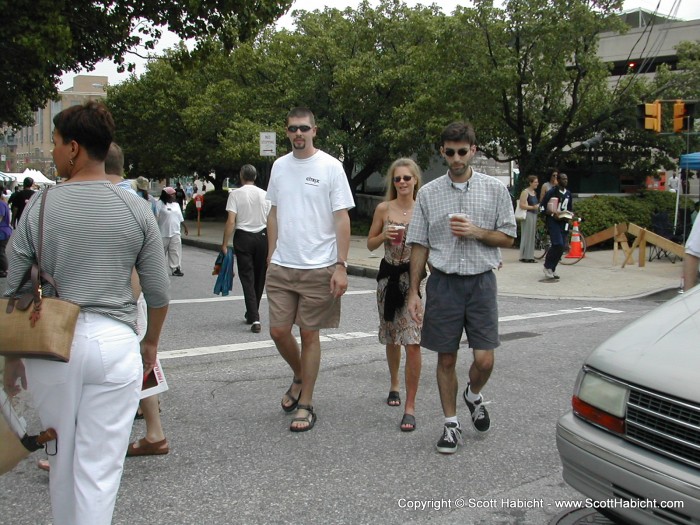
point(649, 116)
point(683, 113)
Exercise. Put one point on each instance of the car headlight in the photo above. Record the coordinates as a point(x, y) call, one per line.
point(600, 401)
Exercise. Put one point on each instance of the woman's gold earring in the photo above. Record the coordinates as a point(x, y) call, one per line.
point(71, 162)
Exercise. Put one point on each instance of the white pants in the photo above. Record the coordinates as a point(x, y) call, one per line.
point(173, 250)
point(90, 402)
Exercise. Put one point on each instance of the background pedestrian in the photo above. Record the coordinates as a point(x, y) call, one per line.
point(528, 227)
point(247, 209)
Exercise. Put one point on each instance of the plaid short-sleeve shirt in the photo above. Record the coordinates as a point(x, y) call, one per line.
point(485, 201)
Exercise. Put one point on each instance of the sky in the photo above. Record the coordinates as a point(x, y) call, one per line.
point(683, 9)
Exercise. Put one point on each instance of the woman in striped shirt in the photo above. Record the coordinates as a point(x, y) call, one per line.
point(94, 234)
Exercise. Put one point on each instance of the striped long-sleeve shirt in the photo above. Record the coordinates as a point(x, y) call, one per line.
point(95, 233)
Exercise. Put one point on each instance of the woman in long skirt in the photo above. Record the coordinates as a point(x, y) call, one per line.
point(529, 202)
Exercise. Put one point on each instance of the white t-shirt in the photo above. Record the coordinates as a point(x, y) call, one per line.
point(306, 192)
point(250, 206)
point(169, 218)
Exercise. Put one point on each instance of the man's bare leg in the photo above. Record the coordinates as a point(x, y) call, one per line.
point(288, 348)
point(310, 364)
point(447, 382)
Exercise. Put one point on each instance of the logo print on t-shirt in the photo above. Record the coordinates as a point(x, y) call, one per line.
point(312, 182)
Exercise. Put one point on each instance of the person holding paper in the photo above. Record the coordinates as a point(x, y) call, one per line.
point(154, 442)
point(91, 399)
point(558, 207)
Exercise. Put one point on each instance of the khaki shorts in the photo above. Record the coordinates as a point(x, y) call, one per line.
point(302, 297)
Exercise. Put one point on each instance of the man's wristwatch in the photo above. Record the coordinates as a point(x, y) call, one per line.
point(342, 263)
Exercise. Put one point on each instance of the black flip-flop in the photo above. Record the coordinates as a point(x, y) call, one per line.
point(408, 419)
point(394, 398)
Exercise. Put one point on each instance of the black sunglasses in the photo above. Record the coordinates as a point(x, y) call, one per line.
point(406, 178)
point(303, 129)
point(461, 152)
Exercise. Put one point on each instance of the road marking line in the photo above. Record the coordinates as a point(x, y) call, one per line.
point(240, 297)
point(536, 315)
point(253, 345)
point(268, 343)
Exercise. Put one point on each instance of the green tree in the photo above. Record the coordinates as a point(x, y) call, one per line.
point(353, 69)
point(239, 95)
point(528, 77)
point(43, 39)
point(148, 115)
point(384, 81)
point(198, 111)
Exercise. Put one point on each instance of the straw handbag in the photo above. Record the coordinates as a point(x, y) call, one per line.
point(35, 326)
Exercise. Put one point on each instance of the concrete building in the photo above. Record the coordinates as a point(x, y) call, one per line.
point(650, 42)
point(30, 147)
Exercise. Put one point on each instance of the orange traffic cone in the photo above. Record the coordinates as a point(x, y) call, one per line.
point(575, 248)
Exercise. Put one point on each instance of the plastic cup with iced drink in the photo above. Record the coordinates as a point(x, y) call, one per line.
point(399, 231)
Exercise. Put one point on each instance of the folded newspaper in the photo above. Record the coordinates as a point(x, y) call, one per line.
point(154, 382)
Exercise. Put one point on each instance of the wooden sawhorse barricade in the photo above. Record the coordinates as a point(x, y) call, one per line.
point(641, 236)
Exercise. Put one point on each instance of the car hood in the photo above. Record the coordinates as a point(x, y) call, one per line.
point(659, 351)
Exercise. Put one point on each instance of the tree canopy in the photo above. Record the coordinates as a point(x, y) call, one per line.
point(383, 81)
point(42, 39)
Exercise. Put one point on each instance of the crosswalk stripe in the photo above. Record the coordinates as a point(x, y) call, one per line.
point(268, 343)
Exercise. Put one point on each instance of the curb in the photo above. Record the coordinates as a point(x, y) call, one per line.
point(371, 273)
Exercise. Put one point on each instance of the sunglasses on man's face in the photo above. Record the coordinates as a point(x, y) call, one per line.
point(406, 178)
point(303, 128)
point(462, 152)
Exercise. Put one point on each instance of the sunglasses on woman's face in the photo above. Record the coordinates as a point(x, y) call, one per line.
point(406, 178)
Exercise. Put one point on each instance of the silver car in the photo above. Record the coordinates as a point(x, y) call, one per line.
point(631, 443)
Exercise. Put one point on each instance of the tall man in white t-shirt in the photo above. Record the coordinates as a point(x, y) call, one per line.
point(247, 210)
point(308, 232)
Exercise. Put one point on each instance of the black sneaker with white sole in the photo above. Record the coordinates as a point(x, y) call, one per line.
point(177, 272)
point(480, 416)
point(451, 437)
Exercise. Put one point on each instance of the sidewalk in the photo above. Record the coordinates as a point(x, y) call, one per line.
point(593, 278)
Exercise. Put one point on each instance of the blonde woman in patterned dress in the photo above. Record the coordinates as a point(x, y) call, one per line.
point(396, 328)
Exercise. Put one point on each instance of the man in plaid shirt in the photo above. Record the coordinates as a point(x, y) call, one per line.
point(460, 222)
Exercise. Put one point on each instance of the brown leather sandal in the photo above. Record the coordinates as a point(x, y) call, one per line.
point(310, 418)
point(288, 394)
point(143, 447)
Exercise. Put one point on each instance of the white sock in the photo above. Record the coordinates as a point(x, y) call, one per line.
point(452, 419)
point(471, 396)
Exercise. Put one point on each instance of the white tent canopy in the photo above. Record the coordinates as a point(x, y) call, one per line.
point(38, 177)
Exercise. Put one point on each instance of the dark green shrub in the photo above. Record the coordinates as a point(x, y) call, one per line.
point(360, 226)
point(213, 208)
point(603, 211)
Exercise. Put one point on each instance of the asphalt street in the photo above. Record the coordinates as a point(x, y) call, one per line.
point(233, 459)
